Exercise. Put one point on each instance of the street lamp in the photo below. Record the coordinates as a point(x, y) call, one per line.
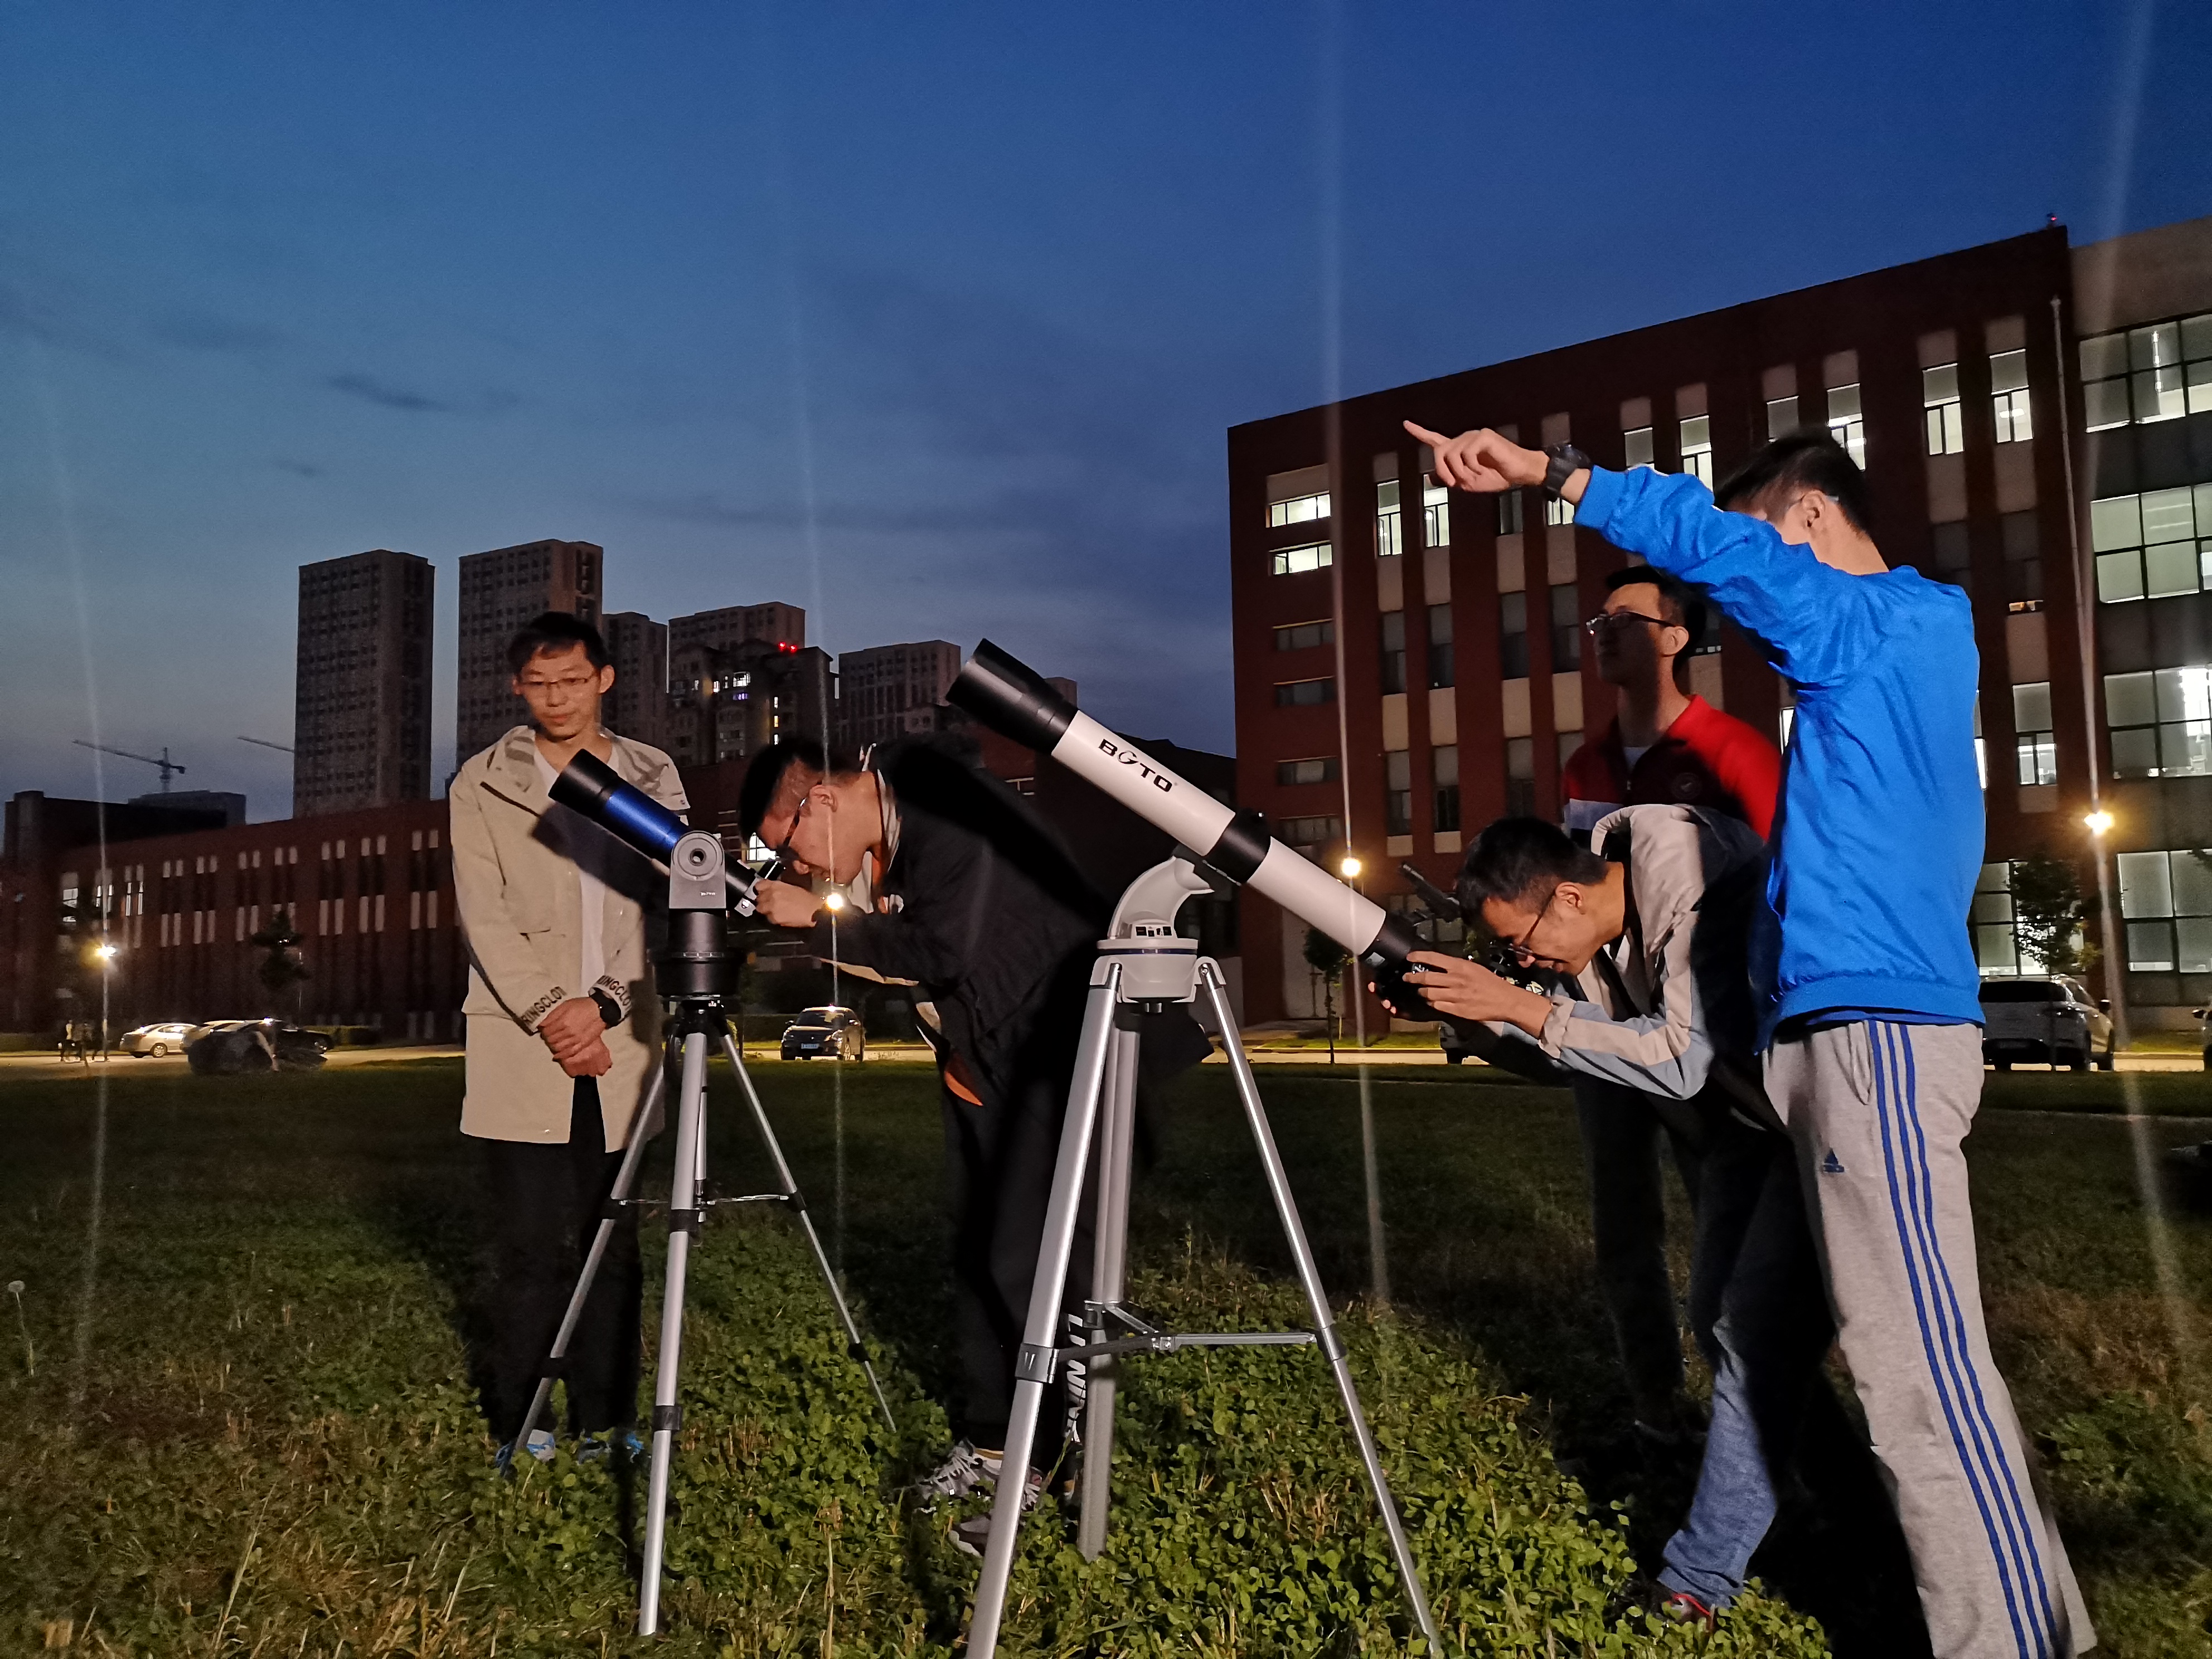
point(2098, 822)
point(1349, 868)
point(105, 952)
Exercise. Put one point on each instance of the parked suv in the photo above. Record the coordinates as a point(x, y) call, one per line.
point(825, 1031)
point(2051, 1018)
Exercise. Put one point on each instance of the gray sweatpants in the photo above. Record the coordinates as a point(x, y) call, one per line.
point(1879, 1112)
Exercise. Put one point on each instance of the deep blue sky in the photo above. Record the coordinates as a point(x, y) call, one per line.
point(929, 318)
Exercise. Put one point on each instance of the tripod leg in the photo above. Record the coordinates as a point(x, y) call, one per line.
point(797, 1201)
point(1041, 1334)
point(1109, 1273)
point(683, 1225)
point(1331, 1345)
point(633, 1155)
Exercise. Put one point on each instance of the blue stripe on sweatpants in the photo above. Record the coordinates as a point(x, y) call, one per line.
point(1886, 1108)
point(1954, 1319)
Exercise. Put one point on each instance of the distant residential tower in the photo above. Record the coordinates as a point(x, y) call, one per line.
point(361, 722)
point(500, 591)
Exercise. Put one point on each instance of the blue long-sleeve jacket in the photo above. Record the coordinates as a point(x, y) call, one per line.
point(1878, 838)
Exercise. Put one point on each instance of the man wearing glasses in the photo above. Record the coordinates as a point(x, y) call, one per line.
point(1665, 746)
point(562, 1034)
point(1649, 941)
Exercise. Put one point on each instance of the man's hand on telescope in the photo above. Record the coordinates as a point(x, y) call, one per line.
point(576, 1033)
point(781, 904)
point(1487, 462)
point(1467, 990)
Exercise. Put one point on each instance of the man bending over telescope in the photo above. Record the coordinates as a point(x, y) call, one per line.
point(1652, 935)
point(1866, 980)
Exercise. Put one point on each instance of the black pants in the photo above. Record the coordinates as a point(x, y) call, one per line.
point(998, 1162)
point(546, 1201)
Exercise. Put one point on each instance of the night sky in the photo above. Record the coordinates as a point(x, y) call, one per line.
point(929, 318)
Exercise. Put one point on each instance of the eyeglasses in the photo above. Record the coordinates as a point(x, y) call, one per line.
point(1512, 954)
point(1610, 620)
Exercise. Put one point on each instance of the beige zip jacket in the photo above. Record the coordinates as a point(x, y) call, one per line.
point(519, 900)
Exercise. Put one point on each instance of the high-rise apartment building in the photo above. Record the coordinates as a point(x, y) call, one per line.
point(2035, 421)
point(726, 704)
point(733, 625)
point(638, 706)
point(500, 591)
point(360, 719)
point(888, 691)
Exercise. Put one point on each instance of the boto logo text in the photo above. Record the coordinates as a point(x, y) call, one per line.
point(1152, 774)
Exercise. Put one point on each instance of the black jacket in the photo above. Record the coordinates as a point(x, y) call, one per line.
point(994, 921)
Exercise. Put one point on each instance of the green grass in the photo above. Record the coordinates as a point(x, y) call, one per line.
point(251, 1429)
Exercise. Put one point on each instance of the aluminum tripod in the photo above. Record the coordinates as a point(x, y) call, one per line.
point(692, 970)
point(1144, 964)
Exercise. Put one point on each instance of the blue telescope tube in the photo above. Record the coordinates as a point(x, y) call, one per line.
point(588, 784)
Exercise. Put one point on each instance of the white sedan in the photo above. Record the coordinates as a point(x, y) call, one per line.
point(168, 1037)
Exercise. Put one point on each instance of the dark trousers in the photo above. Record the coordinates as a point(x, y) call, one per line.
point(1621, 1131)
point(998, 1162)
point(546, 1201)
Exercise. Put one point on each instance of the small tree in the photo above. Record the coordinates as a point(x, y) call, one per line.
point(281, 969)
point(2047, 907)
point(1326, 958)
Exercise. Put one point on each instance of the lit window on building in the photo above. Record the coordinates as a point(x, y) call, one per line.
point(1389, 521)
point(1436, 512)
point(2161, 722)
point(1939, 401)
point(2165, 900)
point(1302, 636)
point(1440, 671)
point(1557, 509)
point(1636, 447)
point(1397, 792)
point(1998, 950)
point(1299, 509)
point(1304, 693)
point(2156, 373)
point(1393, 652)
point(1443, 775)
point(2008, 396)
point(2152, 545)
point(1297, 561)
point(1318, 768)
point(2035, 744)
point(1846, 423)
point(1698, 448)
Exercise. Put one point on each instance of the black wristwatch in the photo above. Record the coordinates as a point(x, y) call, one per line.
point(609, 1010)
point(1566, 461)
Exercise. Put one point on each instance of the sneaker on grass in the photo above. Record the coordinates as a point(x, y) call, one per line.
point(968, 1468)
point(625, 1445)
point(537, 1443)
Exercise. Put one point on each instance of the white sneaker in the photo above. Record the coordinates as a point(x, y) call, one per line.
point(966, 1470)
point(969, 1536)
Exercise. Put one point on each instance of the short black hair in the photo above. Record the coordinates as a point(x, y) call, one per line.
point(554, 630)
point(764, 776)
point(1676, 596)
point(1802, 461)
point(1521, 860)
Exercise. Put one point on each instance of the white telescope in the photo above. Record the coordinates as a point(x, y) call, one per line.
point(1018, 703)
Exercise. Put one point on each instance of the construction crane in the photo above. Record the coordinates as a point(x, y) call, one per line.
point(167, 765)
point(281, 748)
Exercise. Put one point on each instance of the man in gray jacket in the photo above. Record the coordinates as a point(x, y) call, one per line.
point(563, 1033)
point(1647, 929)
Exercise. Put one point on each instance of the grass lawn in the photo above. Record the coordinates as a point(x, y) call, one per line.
point(250, 1428)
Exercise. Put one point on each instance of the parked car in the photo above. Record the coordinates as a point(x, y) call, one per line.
point(2049, 1018)
point(820, 1031)
point(224, 1047)
point(166, 1036)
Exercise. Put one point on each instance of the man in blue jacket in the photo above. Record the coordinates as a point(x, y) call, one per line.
point(1866, 983)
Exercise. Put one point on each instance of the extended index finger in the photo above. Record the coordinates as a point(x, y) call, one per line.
point(1433, 440)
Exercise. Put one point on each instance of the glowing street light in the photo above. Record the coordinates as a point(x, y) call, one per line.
point(104, 953)
point(2098, 822)
point(1350, 868)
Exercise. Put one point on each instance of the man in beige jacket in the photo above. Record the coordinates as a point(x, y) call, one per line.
point(563, 1033)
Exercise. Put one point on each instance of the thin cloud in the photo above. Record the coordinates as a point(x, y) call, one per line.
point(385, 395)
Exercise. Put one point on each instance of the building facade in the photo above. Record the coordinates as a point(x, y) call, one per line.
point(734, 626)
point(728, 703)
point(500, 591)
point(889, 691)
point(1409, 663)
point(638, 706)
point(360, 721)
